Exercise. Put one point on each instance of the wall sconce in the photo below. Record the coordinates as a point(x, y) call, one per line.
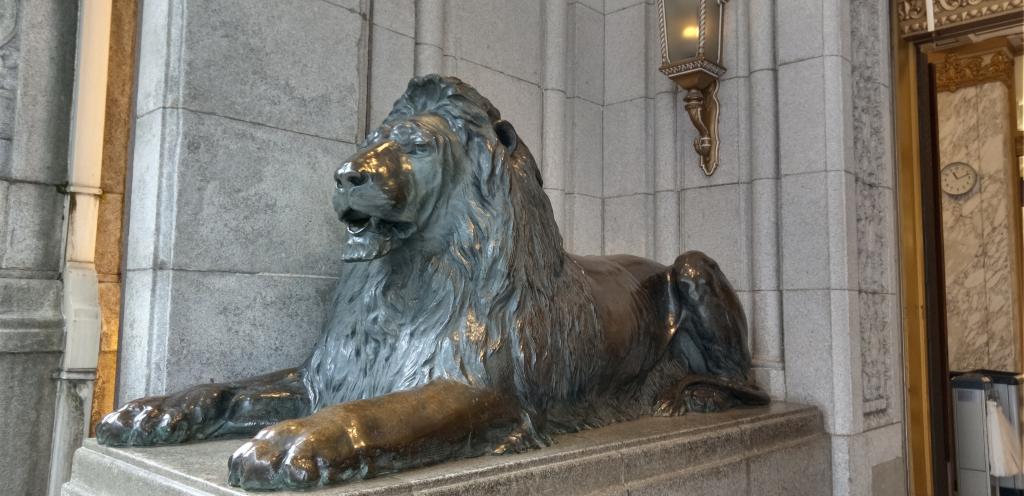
point(691, 55)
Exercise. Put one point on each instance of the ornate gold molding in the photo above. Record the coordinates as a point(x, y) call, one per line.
point(913, 14)
point(962, 71)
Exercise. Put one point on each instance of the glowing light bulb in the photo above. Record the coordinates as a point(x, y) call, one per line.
point(691, 32)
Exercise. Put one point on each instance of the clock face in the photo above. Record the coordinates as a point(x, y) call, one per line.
point(958, 178)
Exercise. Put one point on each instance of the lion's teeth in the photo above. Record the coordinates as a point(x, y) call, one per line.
point(357, 229)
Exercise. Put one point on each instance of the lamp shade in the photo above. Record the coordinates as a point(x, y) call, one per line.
point(691, 39)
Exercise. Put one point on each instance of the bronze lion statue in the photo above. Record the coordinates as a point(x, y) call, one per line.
point(460, 326)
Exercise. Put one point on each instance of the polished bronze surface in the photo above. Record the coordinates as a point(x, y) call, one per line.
point(460, 326)
point(702, 107)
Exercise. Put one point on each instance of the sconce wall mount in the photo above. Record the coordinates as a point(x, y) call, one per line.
point(691, 55)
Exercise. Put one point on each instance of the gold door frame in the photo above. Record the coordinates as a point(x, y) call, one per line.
point(910, 26)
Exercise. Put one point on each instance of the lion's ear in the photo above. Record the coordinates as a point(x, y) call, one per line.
point(507, 135)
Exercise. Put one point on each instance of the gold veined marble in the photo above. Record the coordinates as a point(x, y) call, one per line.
point(981, 309)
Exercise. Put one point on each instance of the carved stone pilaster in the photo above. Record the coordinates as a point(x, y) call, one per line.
point(913, 14)
point(9, 54)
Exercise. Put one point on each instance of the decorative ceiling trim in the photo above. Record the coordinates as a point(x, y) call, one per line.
point(963, 71)
point(912, 14)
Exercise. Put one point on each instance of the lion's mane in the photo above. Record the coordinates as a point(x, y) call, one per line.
point(502, 306)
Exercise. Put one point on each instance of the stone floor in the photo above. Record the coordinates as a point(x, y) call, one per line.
point(776, 450)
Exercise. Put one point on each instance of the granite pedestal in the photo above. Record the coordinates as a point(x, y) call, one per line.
point(780, 449)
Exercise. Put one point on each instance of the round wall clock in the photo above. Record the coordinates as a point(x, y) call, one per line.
point(958, 178)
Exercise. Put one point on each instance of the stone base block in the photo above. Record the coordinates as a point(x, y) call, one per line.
point(776, 450)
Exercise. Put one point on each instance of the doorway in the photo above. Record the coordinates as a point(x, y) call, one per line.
point(957, 96)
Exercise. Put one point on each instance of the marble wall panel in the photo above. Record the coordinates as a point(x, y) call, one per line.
point(981, 299)
point(996, 162)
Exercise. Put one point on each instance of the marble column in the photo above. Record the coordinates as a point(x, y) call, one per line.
point(978, 229)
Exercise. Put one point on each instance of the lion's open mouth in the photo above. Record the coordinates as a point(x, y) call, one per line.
point(370, 236)
point(357, 221)
point(361, 223)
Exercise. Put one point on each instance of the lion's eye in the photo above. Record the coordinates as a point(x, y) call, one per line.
point(420, 147)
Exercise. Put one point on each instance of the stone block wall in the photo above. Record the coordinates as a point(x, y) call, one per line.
point(242, 115)
point(841, 326)
point(244, 111)
point(37, 49)
point(800, 213)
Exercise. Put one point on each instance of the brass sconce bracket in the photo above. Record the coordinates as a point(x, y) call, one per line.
point(691, 55)
point(702, 105)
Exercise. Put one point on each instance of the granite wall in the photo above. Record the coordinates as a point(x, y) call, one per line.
point(242, 116)
point(37, 48)
point(978, 232)
point(800, 213)
point(838, 233)
point(244, 112)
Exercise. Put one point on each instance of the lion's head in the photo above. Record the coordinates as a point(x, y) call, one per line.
point(441, 152)
point(458, 255)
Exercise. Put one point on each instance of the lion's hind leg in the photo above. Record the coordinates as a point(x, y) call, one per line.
point(711, 342)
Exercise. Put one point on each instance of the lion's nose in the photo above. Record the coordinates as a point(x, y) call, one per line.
point(348, 178)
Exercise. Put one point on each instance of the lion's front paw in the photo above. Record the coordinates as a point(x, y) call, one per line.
point(294, 454)
point(156, 420)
